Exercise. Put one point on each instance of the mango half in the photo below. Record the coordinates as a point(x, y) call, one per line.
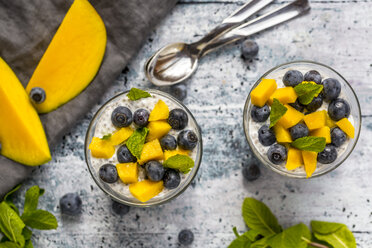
point(22, 136)
point(72, 58)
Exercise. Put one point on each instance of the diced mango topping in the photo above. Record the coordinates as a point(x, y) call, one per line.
point(310, 161)
point(168, 153)
point(157, 129)
point(151, 151)
point(284, 95)
point(345, 125)
point(282, 135)
point(291, 117)
point(146, 189)
point(101, 148)
point(263, 91)
point(322, 132)
point(294, 159)
point(120, 136)
point(128, 172)
point(329, 122)
point(316, 120)
point(160, 111)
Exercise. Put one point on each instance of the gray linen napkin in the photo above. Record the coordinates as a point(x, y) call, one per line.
point(27, 27)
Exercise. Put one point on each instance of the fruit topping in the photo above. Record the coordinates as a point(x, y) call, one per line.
point(154, 170)
point(181, 163)
point(120, 136)
point(179, 91)
point(329, 122)
point(37, 95)
point(128, 172)
point(322, 132)
point(157, 129)
point(251, 172)
point(345, 125)
point(185, 237)
point(70, 204)
point(151, 151)
point(315, 103)
point(168, 142)
point(315, 120)
point(291, 117)
point(293, 78)
point(171, 179)
point(146, 189)
point(121, 117)
point(249, 49)
point(101, 148)
point(284, 95)
point(297, 105)
point(294, 159)
point(266, 136)
point(298, 131)
point(313, 76)
point(124, 155)
point(331, 90)
point(328, 155)
point(168, 154)
point(282, 135)
point(310, 143)
point(338, 137)
point(108, 173)
point(141, 117)
point(310, 162)
point(187, 139)
point(277, 154)
point(120, 209)
point(136, 141)
point(338, 109)
point(136, 94)
point(160, 111)
point(260, 114)
point(262, 92)
point(306, 91)
point(178, 119)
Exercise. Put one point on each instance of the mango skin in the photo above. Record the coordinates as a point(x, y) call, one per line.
point(263, 91)
point(345, 125)
point(322, 132)
point(146, 189)
point(101, 148)
point(128, 172)
point(316, 120)
point(284, 95)
point(310, 162)
point(151, 151)
point(157, 129)
point(290, 118)
point(294, 159)
point(160, 111)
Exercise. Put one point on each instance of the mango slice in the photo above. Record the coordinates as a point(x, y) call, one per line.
point(345, 125)
point(157, 129)
point(168, 153)
point(101, 148)
point(151, 151)
point(263, 91)
point(128, 172)
point(329, 122)
point(146, 189)
point(294, 159)
point(160, 111)
point(282, 135)
point(284, 95)
point(322, 132)
point(120, 136)
point(290, 118)
point(310, 161)
point(316, 120)
point(22, 136)
point(72, 58)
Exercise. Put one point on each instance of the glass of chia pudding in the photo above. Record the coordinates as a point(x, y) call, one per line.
point(143, 148)
point(302, 119)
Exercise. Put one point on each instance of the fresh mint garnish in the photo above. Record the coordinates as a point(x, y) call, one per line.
point(135, 94)
point(292, 237)
point(335, 234)
point(306, 91)
point(179, 162)
point(310, 143)
point(277, 111)
point(136, 141)
point(106, 137)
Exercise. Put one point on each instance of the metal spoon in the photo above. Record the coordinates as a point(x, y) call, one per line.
point(176, 62)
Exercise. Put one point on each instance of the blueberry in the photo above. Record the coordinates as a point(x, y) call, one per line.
point(171, 179)
point(179, 91)
point(338, 137)
point(313, 76)
point(141, 117)
point(168, 142)
point(154, 170)
point(187, 140)
point(251, 172)
point(260, 114)
point(338, 109)
point(297, 105)
point(249, 49)
point(277, 154)
point(120, 209)
point(185, 237)
point(124, 155)
point(121, 117)
point(37, 95)
point(328, 155)
point(70, 204)
point(178, 119)
point(266, 135)
point(331, 89)
point(298, 131)
point(293, 78)
point(108, 173)
point(315, 103)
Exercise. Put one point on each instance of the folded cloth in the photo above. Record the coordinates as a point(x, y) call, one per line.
point(26, 29)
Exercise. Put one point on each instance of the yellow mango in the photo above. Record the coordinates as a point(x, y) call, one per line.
point(120, 135)
point(294, 159)
point(322, 132)
point(72, 58)
point(290, 118)
point(168, 153)
point(345, 125)
point(22, 136)
point(160, 111)
point(128, 172)
point(263, 91)
point(101, 148)
point(310, 161)
point(151, 151)
point(157, 129)
point(284, 95)
point(329, 122)
point(146, 189)
point(282, 135)
point(316, 119)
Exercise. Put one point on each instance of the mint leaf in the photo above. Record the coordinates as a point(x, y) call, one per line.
point(40, 219)
point(262, 243)
point(11, 192)
point(240, 242)
point(9, 244)
point(136, 141)
point(277, 111)
point(28, 244)
point(324, 227)
point(32, 198)
point(291, 237)
point(179, 162)
point(258, 216)
point(106, 137)
point(135, 94)
point(306, 91)
point(338, 235)
point(11, 225)
point(27, 233)
point(253, 235)
point(310, 143)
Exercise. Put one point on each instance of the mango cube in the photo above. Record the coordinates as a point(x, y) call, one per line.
point(160, 111)
point(294, 159)
point(263, 91)
point(322, 132)
point(284, 95)
point(316, 120)
point(151, 151)
point(120, 136)
point(345, 125)
point(168, 153)
point(157, 129)
point(128, 172)
point(290, 118)
point(282, 135)
point(329, 122)
point(101, 148)
point(146, 189)
point(310, 161)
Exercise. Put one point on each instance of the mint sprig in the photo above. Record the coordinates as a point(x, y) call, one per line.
point(276, 112)
point(179, 162)
point(306, 91)
point(136, 141)
point(135, 94)
point(310, 143)
point(106, 136)
point(336, 234)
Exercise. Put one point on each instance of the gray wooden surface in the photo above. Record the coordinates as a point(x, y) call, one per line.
point(337, 33)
